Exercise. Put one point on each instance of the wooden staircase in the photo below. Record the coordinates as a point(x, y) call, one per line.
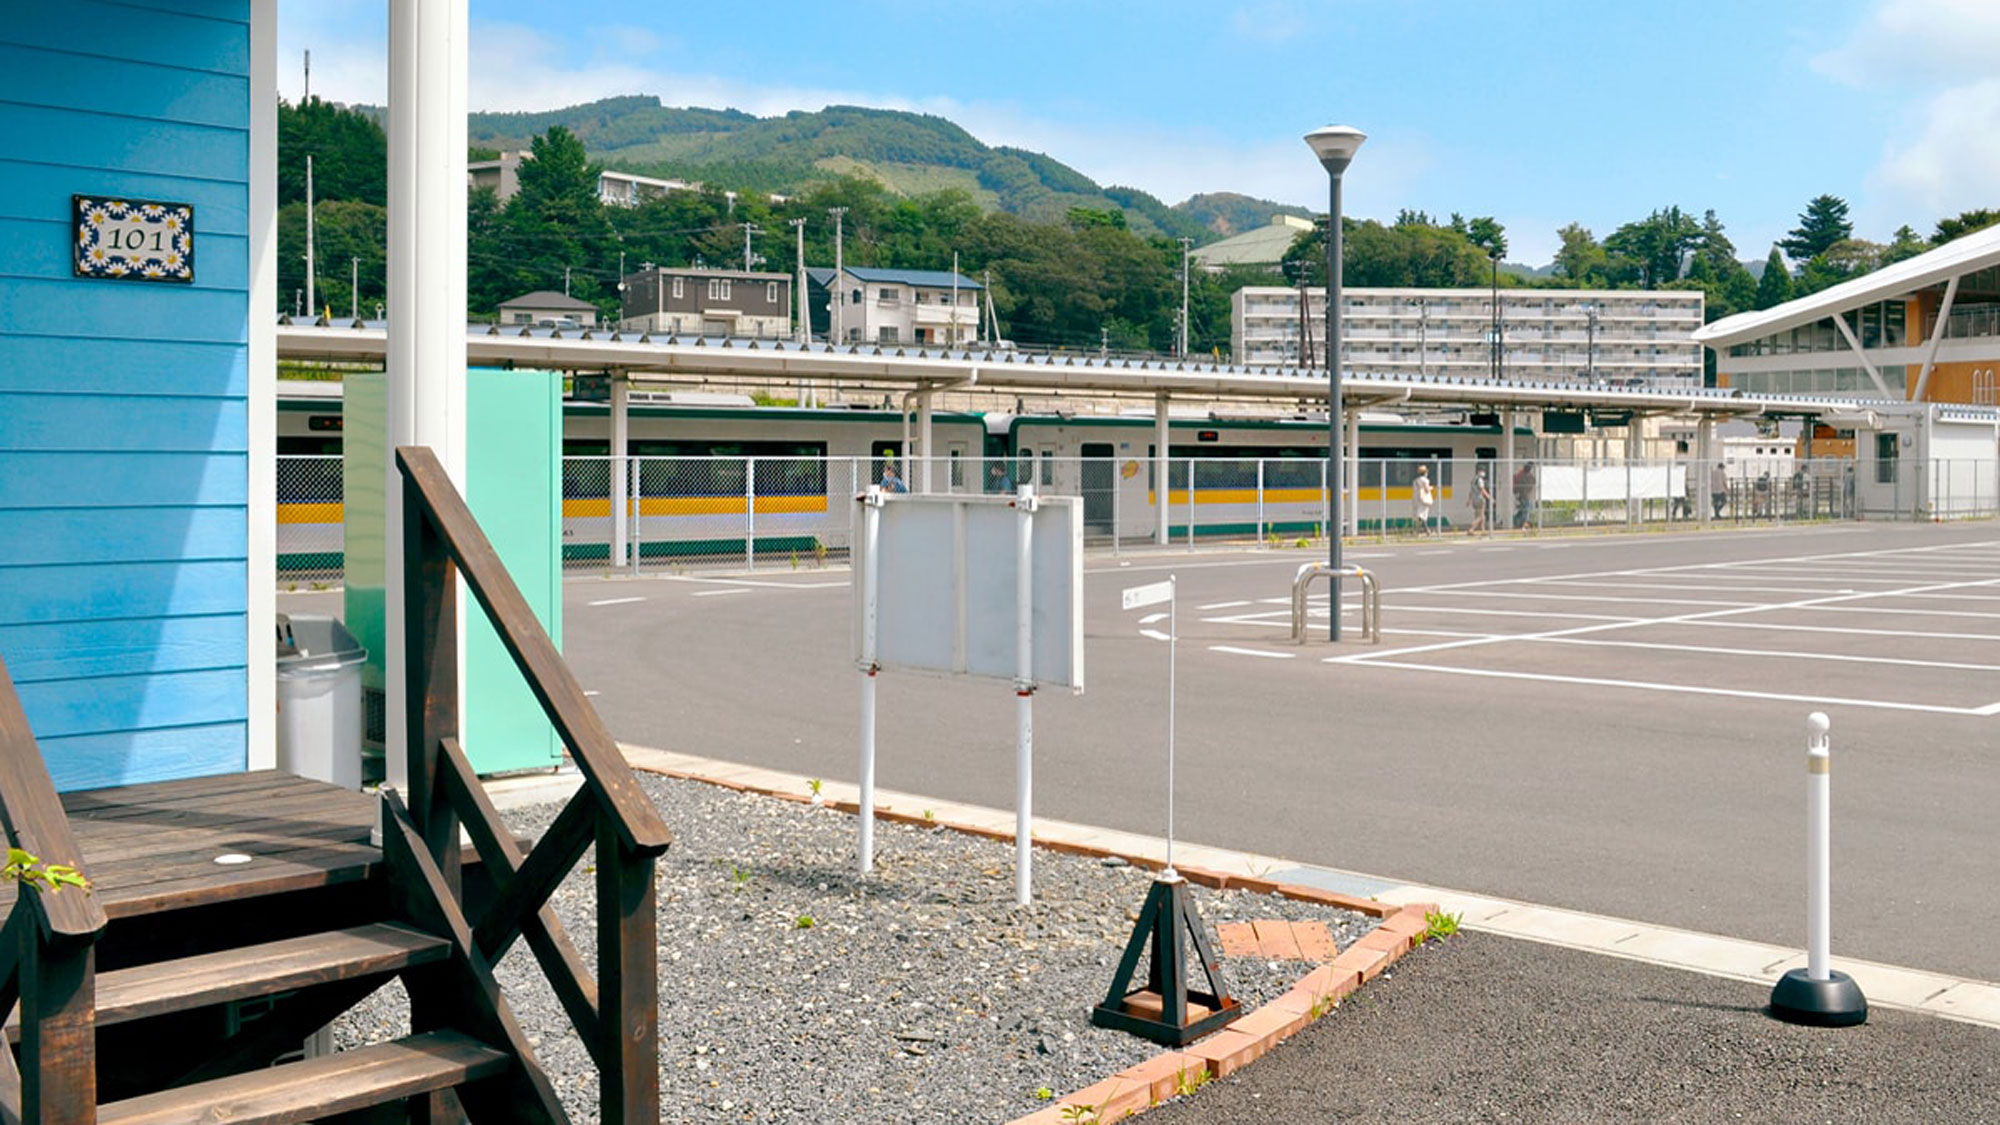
point(195, 1018)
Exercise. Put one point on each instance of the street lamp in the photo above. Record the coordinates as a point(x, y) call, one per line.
point(1335, 145)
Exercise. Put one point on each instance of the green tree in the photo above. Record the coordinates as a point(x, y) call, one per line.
point(349, 150)
point(1653, 250)
point(1581, 261)
point(1848, 258)
point(1486, 233)
point(1775, 287)
point(1905, 243)
point(1962, 224)
point(351, 238)
point(1823, 223)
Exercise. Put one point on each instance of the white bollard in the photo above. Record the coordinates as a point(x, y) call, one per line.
point(1819, 860)
point(1817, 994)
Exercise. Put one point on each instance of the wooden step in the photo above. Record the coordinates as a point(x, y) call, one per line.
point(320, 1087)
point(257, 970)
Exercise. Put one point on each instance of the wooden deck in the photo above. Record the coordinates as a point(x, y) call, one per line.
point(154, 848)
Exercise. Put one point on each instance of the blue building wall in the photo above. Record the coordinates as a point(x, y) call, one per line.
point(123, 404)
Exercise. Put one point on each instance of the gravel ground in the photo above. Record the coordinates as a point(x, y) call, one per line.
point(1485, 1028)
point(792, 991)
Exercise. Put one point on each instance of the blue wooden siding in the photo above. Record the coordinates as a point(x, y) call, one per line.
point(124, 405)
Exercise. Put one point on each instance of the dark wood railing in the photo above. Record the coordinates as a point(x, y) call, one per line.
point(617, 1014)
point(48, 948)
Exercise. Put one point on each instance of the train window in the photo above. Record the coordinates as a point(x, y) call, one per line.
point(957, 453)
point(1048, 465)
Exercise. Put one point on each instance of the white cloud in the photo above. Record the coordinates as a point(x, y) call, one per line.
point(1271, 22)
point(1939, 55)
point(1953, 162)
point(1919, 42)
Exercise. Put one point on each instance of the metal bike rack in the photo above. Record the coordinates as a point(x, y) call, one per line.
point(1371, 598)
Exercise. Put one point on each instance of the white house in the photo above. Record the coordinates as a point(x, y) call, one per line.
point(928, 308)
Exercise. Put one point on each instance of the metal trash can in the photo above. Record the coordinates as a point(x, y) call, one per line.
point(319, 699)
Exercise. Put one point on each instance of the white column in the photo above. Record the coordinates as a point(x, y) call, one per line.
point(618, 486)
point(263, 390)
point(1350, 493)
point(1162, 439)
point(426, 346)
point(923, 442)
point(1705, 452)
point(1504, 485)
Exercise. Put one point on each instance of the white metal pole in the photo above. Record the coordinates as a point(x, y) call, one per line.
point(1819, 862)
point(1350, 489)
point(749, 512)
point(616, 488)
point(1024, 693)
point(1260, 501)
point(871, 570)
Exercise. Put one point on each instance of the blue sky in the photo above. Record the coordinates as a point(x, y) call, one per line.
point(1539, 112)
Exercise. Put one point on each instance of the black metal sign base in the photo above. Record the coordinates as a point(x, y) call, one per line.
point(1834, 1002)
point(1166, 1011)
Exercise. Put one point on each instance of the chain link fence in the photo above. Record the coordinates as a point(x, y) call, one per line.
point(675, 514)
point(310, 536)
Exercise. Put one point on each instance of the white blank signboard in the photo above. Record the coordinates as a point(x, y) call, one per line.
point(947, 587)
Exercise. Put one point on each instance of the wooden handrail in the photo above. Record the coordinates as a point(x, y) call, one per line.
point(35, 823)
point(591, 746)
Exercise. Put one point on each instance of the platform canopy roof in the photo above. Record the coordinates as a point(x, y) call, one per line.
point(1976, 251)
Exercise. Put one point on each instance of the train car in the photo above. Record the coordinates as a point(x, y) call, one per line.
point(720, 477)
point(1250, 476)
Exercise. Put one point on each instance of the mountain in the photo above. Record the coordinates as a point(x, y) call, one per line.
point(909, 153)
point(1228, 213)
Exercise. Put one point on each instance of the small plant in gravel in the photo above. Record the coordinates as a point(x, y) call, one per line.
point(739, 877)
point(1081, 1114)
point(1043, 1093)
point(813, 784)
point(930, 818)
point(1438, 924)
point(804, 922)
point(1325, 1003)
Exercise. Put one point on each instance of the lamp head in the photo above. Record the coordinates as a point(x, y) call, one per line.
point(1335, 146)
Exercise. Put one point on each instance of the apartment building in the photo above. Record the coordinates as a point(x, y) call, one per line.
point(700, 302)
point(928, 308)
point(1622, 337)
point(616, 189)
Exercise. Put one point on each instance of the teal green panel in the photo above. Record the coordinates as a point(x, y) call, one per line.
point(364, 471)
point(513, 473)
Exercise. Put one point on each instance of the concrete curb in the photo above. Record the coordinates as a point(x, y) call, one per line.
point(1172, 1072)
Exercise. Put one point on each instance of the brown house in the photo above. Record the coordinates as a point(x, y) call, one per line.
point(698, 302)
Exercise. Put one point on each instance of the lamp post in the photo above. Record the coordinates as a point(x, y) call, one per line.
point(1493, 363)
point(1590, 354)
point(1335, 145)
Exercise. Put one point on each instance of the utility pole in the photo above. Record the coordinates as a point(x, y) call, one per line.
point(565, 281)
point(838, 289)
point(621, 285)
point(1104, 343)
point(1187, 244)
point(748, 230)
point(311, 303)
point(799, 284)
point(354, 287)
point(953, 330)
point(307, 96)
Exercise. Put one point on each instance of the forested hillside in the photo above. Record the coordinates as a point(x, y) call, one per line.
point(1071, 264)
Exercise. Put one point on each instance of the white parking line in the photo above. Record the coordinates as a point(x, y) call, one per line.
point(1779, 654)
point(1154, 634)
point(614, 601)
point(1691, 689)
point(719, 593)
point(1252, 652)
point(1153, 619)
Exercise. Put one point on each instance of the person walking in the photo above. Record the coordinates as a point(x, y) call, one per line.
point(1524, 493)
point(1482, 503)
point(1718, 488)
point(1422, 497)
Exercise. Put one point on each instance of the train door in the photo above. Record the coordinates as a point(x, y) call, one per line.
point(1100, 476)
point(956, 454)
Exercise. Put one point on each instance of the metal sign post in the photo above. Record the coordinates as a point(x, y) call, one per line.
point(1164, 1009)
point(1024, 693)
point(871, 583)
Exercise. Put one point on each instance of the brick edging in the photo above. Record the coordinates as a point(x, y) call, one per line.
point(1139, 1087)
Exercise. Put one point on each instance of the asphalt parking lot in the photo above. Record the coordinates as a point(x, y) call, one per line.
point(1614, 725)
